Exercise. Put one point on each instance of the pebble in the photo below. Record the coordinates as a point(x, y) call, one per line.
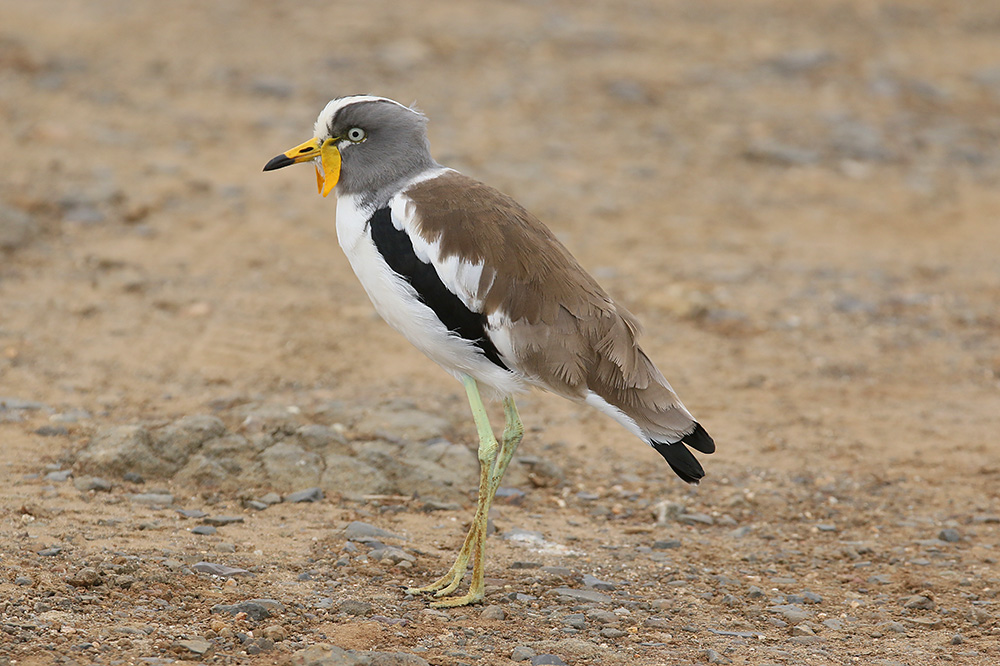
point(218, 569)
point(59, 476)
point(355, 607)
point(577, 621)
point(95, 483)
point(525, 565)
point(918, 601)
point(597, 583)
point(612, 632)
point(86, 577)
point(197, 645)
point(493, 613)
point(203, 530)
point(192, 513)
point(256, 609)
point(803, 629)
point(550, 659)
point(219, 521)
point(50, 552)
point(51, 431)
point(713, 657)
point(950, 534)
point(356, 530)
point(602, 616)
point(392, 555)
point(666, 544)
point(307, 495)
point(275, 632)
point(522, 653)
point(791, 612)
point(271, 498)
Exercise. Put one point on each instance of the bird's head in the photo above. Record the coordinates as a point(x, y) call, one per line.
point(362, 144)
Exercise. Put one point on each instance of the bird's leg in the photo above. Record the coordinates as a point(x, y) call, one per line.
point(513, 431)
point(474, 540)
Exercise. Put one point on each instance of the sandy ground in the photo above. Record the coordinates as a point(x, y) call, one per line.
point(799, 200)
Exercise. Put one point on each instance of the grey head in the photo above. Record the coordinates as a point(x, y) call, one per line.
point(382, 144)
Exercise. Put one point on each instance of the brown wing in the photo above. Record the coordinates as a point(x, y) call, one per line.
point(567, 333)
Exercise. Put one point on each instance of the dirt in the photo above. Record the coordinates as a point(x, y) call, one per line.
point(799, 200)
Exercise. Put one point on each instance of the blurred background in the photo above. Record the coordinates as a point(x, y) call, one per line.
point(798, 199)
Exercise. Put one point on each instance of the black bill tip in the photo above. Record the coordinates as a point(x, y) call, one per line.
point(279, 162)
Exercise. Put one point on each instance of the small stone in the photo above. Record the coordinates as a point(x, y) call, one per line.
point(356, 530)
point(493, 613)
point(950, 534)
point(256, 609)
point(803, 629)
point(23, 580)
point(834, 623)
point(275, 632)
point(957, 639)
point(307, 495)
point(695, 518)
point(525, 565)
point(597, 583)
point(59, 476)
point(355, 607)
point(197, 645)
point(203, 530)
point(895, 627)
point(521, 653)
point(811, 597)
point(86, 577)
point(392, 555)
point(271, 498)
point(50, 552)
point(925, 622)
point(791, 613)
point(546, 659)
point(713, 657)
point(88, 483)
point(51, 431)
point(192, 513)
point(666, 544)
point(612, 632)
point(577, 621)
point(602, 616)
point(918, 601)
point(218, 569)
point(256, 506)
point(219, 521)
point(755, 592)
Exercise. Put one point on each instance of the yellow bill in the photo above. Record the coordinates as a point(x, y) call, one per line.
point(329, 158)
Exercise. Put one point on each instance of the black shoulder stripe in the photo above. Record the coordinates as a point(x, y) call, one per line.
point(396, 248)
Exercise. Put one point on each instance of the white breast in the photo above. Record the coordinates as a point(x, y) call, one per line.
point(399, 305)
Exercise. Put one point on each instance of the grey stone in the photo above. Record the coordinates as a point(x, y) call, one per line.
point(550, 659)
point(204, 530)
point(950, 534)
point(521, 653)
point(357, 529)
point(50, 552)
point(803, 629)
point(306, 495)
point(597, 583)
point(219, 521)
point(152, 499)
point(392, 555)
point(797, 63)
point(23, 580)
point(51, 431)
point(191, 513)
point(218, 569)
point(695, 518)
point(59, 476)
point(611, 632)
point(256, 609)
point(493, 613)
point(288, 465)
point(834, 623)
point(86, 577)
point(667, 544)
point(121, 449)
point(196, 645)
point(271, 498)
point(918, 601)
point(576, 620)
point(791, 613)
point(322, 439)
point(602, 616)
point(95, 483)
point(355, 607)
point(713, 657)
point(581, 595)
point(176, 442)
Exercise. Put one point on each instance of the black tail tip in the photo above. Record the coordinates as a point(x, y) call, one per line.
point(681, 460)
point(699, 440)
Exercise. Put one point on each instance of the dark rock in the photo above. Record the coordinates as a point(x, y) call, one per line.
point(550, 659)
point(950, 534)
point(356, 530)
point(918, 601)
point(204, 530)
point(611, 632)
point(577, 621)
point(50, 552)
point(192, 513)
point(667, 544)
point(307, 495)
point(219, 521)
point(256, 609)
point(51, 431)
point(597, 584)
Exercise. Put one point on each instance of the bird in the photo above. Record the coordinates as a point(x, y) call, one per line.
point(487, 291)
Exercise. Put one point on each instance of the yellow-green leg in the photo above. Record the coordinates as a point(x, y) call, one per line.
point(493, 461)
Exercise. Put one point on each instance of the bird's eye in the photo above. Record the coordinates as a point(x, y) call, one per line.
point(356, 134)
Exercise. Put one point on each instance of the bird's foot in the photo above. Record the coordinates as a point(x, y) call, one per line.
point(445, 585)
point(472, 597)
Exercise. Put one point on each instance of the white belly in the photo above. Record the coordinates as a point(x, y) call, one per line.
point(398, 304)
